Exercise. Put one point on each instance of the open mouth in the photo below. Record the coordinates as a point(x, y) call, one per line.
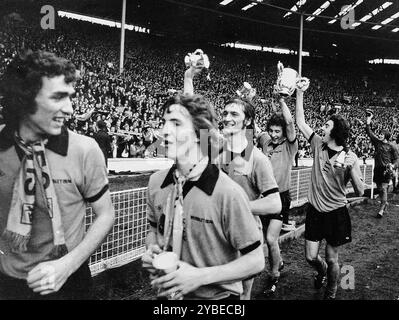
point(59, 120)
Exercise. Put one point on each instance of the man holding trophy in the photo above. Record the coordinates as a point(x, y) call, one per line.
point(280, 144)
point(327, 215)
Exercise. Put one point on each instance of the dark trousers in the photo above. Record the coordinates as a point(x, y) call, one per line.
point(77, 287)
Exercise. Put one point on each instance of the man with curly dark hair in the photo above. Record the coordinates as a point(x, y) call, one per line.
point(49, 174)
point(327, 215)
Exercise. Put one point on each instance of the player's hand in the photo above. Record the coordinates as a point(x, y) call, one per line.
point(185, 279)
point(350, 160)
point(192, 71)
point(148, 257)
point(368, 119)
point(48, 277)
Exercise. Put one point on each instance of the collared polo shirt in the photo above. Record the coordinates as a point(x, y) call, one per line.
point(218, 224)
point(252, 170)
point(327, 190)
point(79, 175)
point(281, 156)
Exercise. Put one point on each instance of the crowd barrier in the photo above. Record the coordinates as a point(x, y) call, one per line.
point(126, 242)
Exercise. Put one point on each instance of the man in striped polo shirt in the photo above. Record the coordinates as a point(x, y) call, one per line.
point(327, 215)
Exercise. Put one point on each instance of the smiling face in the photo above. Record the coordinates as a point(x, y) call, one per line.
point(276, 134)
point(233, 119)
point(53, 108)
point(328, 126)
point(178, 133)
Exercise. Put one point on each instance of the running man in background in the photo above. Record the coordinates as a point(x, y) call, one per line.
point(385, 158)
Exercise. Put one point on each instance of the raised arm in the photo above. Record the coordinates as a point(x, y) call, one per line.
point(369, 131)
point(189, 75)
point(291, 134)
point(300, 116)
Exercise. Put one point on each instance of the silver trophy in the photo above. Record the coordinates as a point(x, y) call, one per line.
point(288, 80)
point(246, 91)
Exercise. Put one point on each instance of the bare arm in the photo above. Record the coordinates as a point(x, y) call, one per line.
point(271, 204)
point(300, 116)
point(48, 277)
point(189, 75)
point(370, 132)
point(291, 134)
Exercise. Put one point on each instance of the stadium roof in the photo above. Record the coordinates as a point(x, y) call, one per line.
point(265, 22)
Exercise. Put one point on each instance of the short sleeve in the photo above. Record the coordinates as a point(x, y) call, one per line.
point(315, 142)
point(95, 182)
point(292, 147)
point(239, 224)
point(263, 138)
point(263, 176)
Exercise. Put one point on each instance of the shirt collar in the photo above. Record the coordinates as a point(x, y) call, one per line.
point(206, 182)
point(246, 153)
point(278, 144)
point(57, 144)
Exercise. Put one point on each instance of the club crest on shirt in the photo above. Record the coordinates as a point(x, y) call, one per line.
point(27, 213)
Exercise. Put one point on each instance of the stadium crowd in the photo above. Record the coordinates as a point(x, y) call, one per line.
point(153, 71)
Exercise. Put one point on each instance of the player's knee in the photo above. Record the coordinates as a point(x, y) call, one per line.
point(311, 259)
point(332, 260)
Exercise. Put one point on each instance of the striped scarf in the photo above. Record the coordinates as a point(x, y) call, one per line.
point(27, 187)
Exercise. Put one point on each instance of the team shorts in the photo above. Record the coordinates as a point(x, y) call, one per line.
point(334, 226)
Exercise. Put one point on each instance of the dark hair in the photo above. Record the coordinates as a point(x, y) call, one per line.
point(249, 110)
point(22, 81)
point(201, 111)
point(277, 119)
point(387, 134)
point(341, 130)
point(101, 125)
point(203, 118)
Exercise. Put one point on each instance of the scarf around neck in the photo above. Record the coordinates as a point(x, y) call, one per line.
point(174, 219)
point(34, 180)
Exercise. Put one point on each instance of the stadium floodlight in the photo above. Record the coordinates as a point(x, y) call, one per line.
point(104, 22)
point(253, 4)
point(376, 27)
point(373, 13)
point(395, 30)
point(225, 2)
point(323, 7)
point(391, 18)
point(345, 11)
point(246, 46)
point(295, 8)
